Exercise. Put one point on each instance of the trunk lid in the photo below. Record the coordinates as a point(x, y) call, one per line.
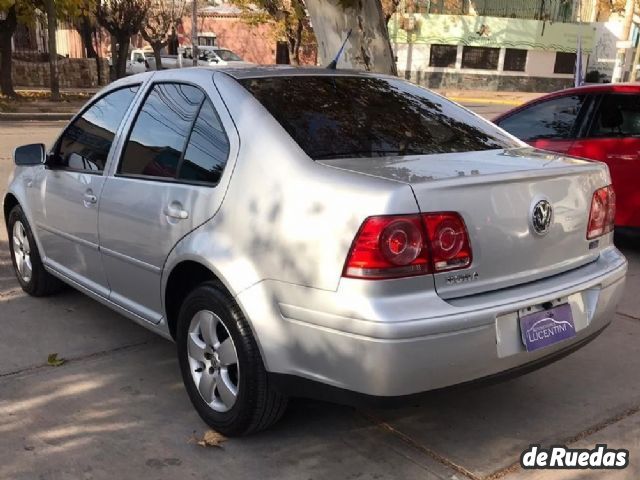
point(495, 192)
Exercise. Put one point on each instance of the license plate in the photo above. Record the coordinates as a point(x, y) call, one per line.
point(547, 327)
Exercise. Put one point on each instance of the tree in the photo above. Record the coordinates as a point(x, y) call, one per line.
point(122, 19)
point(52, 27)
point(8, 25)
point(368, 47)
point(163, 18)
point(13, 12)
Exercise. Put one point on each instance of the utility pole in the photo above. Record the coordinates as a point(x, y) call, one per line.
point(194, 31)
point(622, 52)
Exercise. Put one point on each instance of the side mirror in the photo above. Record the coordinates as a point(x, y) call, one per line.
point(140, 60)
point(29, 154)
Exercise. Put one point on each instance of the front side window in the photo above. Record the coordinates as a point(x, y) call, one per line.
point(553, 119)
point(617, 116)
point(161, 130)
point(228, 55)
point(86, 143)
point(353, 116)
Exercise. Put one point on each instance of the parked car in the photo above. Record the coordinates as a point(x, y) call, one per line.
point(362, 244)
point(598, 122)
point(136, 63)
point(215, 56)
point(168, 61)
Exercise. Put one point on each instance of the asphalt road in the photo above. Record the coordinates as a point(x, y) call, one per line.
point(117, 408)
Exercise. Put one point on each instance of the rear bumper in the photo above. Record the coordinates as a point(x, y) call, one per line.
point(392, 353)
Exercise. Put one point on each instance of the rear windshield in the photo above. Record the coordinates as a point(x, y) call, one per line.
point(346, 117)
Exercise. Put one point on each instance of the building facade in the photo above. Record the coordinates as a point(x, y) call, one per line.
point(523, 45)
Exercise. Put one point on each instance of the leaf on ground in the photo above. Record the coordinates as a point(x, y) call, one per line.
point(54, 361)
point(211, 439)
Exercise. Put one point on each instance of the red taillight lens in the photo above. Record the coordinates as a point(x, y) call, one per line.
point(603, 212)
point(388, 247)
point(449, 240)
point(406, 245)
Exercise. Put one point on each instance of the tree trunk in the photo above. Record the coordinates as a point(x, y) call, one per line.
point(123, 56)
point(156, 54)
point(52, 27)
point(86, 33)
point(7, 28)
point(368, 48)
point(113, 71)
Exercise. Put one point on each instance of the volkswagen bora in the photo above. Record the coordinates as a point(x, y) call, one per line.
point(344, 236)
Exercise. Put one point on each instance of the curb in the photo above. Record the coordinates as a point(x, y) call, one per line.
point(487, 101)
point(36, 116)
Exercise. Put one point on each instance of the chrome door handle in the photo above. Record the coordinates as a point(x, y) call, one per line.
point(177, 212)
point(90, 198)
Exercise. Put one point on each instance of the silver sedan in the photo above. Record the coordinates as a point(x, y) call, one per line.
point(339, 235)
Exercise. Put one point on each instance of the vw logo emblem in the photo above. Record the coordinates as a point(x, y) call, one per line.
point(541, 217)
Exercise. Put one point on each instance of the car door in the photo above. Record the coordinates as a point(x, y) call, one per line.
point(164, 186)
point(613, 137)
point(549, 124)
point(68, 190)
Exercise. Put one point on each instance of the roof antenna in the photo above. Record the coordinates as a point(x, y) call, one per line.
point(334, 63)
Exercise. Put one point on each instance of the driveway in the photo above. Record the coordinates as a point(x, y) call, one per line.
point(117, 407)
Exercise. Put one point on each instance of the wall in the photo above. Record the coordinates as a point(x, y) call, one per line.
point(413, 63)
point(73, 73)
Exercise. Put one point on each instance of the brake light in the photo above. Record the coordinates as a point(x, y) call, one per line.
point(450, 247)
point(603, 212)
point(407, 245)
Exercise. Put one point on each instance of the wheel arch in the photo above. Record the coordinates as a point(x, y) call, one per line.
point(9, 203)
point(182, 279)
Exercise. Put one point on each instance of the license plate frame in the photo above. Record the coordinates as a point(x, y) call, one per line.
point(547, 327)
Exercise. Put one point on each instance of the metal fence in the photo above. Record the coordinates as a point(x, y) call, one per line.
point(548, 10)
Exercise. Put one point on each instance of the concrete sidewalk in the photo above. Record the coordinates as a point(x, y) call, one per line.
point(481, 97)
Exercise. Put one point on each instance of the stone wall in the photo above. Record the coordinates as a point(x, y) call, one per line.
point(489, 82)
point(73, 73)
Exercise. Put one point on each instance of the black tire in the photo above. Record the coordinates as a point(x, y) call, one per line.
point(41, 283)
point(258, 405)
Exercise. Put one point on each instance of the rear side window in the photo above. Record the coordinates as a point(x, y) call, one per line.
point(86, 142)
point(207, 150)
point(553, 119)
point(344, 117)
point(618, 115)
point(161, 130)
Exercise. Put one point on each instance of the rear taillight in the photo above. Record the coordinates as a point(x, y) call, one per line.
point(450, 247)
point(406, 245)
point(603, 212)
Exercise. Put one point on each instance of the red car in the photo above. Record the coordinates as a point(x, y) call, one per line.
point(598, 122)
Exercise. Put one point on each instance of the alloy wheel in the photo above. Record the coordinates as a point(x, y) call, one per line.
point(213, 361)
point(22, 252)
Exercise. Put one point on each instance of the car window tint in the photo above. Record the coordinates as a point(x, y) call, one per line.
point(207, 150)
point(86, 143)
point(160, 132)
point(618, 115)
point(553, 119)
point(352, 116)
